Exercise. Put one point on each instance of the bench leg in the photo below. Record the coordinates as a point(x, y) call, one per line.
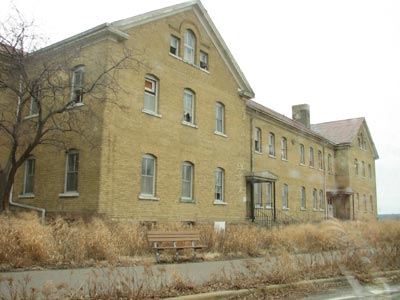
point(156, 252)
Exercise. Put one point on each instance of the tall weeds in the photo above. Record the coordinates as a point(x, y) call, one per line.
point(24, 242)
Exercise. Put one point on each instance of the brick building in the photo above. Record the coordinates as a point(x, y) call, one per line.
point(181, 139)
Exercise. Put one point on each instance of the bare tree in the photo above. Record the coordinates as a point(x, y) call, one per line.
point(41, 93)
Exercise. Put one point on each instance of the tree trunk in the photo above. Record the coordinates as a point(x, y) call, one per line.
point(6, 183)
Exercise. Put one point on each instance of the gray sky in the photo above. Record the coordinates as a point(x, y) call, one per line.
point(342, 57)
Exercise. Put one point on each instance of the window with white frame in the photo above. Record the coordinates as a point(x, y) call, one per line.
point(271, 144)
point(29, 176)
point(320, 165)
point(311, 157)
point(321, 200)
point(77, 84)
point(174, 45)
point(257, 195)
point(188, 106)
point(203, 60)
point(303, 197)
point(219, 185)
point(148, 184)
point(302, 155)
point(189, 46)
point(268, 195)
point(71, 172)
point(284, 148)
point(285, 196)
point(35, 98)
point(187, 181)
point(220, 118)
point(151, 94)
point(315, 199)
point(358, 202)
point(257, 140)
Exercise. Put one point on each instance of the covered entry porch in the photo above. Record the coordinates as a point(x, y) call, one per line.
point(260, 187)
point(340, 204)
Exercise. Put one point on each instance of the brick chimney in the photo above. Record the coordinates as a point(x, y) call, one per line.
point(301, 113)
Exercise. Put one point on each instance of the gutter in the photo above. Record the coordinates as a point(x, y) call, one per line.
point(42, 210)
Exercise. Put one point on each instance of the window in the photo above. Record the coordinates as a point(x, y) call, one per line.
point(150, 94)
point(311, 157)
point(358, 201)
point(363, 168)
point(148, 186)
point(203, 60)
point(369, 171)
point(329, 163)
point(29, 176)
point(77, 84)
point(34, 104)
point(268, 195)
point(303, 197)
point(315, 200)
point(219, 185)
point(284, 148)
point(371, 203)
point(174, 46)
point(257, 195)
point(321, 200)
point(320, 160)
point(189, 46)
point(219, 118)
point(187, 181)
point(302, 155)
point(257, 140)
point(356, 166)
point(285, 196)
point(188, 106)
point(271, 144)
point(71, 177)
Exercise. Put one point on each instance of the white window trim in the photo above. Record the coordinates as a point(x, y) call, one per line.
point(148, 197)
point(219, 202)
point(30, 195)
point(186, 45)
point(153, 92)
point(178, 45)
point(191, 198)
point(222, 185)
point(77, 69)
point(69, 193)
point(153, 195)
point(192, 123)
point(220, 106)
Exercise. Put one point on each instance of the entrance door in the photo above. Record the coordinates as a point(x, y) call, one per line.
point(330, 208)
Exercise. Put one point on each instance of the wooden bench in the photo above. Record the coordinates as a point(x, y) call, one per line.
point(177, 240)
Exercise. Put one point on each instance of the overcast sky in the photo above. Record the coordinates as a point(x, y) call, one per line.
point(342, 57)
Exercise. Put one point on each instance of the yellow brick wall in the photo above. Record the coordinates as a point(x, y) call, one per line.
point(291, 171)
point(131, 133)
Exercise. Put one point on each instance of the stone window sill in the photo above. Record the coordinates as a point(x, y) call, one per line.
point(219, 202)
point(148, 197)
point(151, 113)
point(69, 195)
point(26, 196)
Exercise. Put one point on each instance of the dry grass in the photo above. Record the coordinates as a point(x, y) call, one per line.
point(25, 243)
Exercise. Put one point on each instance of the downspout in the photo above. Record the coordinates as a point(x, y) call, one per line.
point(42, 210)
point(252, 217)
point(326, 196)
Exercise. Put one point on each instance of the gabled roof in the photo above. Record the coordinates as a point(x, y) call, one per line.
point(339, 132)
point(245, 89)
point(344, 132)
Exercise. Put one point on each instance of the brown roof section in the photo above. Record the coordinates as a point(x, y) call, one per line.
point(339, 132)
